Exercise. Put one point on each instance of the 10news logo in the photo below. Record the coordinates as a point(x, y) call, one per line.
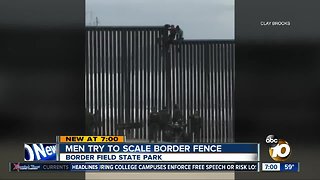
point(279, 149)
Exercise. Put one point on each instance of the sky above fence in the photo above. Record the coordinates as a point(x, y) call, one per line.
point(199, 19)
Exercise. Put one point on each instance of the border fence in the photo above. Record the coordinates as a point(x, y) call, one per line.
point(129, 70)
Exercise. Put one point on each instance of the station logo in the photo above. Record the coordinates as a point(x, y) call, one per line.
point(279, 149)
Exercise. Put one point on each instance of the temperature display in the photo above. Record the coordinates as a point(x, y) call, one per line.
point(293, 167)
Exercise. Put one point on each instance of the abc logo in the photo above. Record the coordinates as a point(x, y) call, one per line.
point(279, 149)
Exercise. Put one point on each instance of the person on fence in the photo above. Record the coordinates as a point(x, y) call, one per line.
point(196, 124)
point(172, 35)
point(178, 124)
point(177, 114)
point(164, 118)
point(89, 123)
point(153, 125)
point(179, 33)
point(97, 123)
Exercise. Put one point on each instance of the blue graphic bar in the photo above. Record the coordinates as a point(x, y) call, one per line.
point(157, 148)
point(289, 167)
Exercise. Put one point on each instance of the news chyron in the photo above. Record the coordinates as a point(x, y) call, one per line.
point(40, 152)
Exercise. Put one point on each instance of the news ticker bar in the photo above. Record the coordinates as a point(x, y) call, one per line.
point(80, 167)
point(90, 139)
point(281, 167)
